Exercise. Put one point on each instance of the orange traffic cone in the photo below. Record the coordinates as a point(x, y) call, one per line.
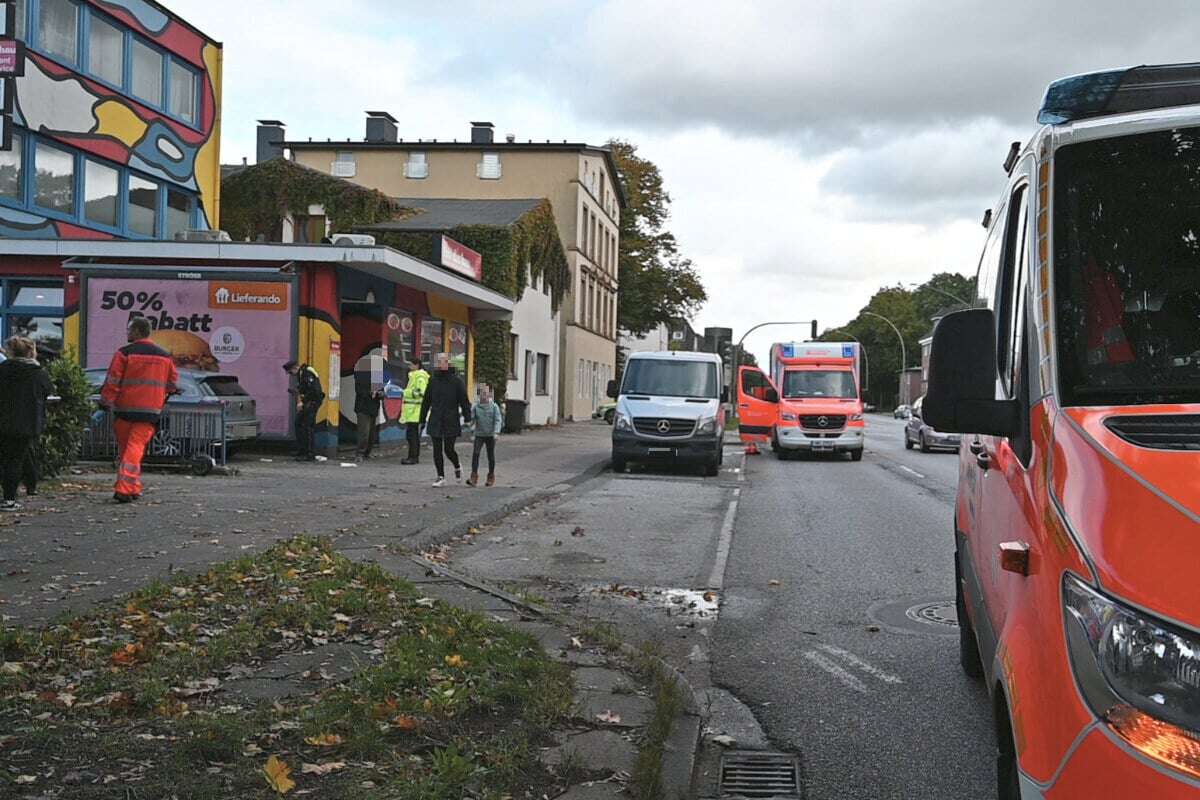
point(751, 449)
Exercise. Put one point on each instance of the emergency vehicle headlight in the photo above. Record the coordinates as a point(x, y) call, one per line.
point(856, 417)
point(788, 417)
point(1139, 674)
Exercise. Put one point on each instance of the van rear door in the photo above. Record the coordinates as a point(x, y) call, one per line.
point(758, 405)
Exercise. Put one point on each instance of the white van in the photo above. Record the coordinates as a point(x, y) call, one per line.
point(670, 407)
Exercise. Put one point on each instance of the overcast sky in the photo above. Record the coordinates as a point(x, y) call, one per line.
point(815, 151)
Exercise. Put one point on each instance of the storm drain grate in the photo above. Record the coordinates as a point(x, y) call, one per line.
point(759, 774)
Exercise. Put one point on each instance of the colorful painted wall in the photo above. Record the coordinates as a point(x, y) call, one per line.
point(61, 101)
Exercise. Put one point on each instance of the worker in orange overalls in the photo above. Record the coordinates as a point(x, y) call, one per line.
point(140, 379)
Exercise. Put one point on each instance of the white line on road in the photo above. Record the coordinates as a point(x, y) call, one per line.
point(911, 471)
point(716, 580)
point(859, 664)
point(836, 671)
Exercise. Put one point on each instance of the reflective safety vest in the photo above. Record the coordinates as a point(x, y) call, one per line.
point(140, 378)
point(414, 393)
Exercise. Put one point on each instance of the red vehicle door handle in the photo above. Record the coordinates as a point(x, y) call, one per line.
point(743, 405)
point(976, 447)
point(984, 460)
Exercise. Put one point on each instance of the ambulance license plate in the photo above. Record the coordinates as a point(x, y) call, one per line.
point(822, 447)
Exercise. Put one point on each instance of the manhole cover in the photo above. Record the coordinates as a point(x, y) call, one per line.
point(748, 773)
point(932, 617)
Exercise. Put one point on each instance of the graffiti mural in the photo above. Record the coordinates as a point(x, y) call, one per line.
point(68, 106)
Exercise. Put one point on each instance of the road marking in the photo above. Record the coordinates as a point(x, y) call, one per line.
point(850, 681)
point(859, 664)
point(911, 471)
point(716, 580)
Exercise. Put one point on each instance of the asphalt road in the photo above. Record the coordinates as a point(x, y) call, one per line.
point(873, 713)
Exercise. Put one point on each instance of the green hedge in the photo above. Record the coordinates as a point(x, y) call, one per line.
point(66, 419)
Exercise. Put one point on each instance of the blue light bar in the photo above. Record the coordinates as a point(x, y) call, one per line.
point(1118, 91)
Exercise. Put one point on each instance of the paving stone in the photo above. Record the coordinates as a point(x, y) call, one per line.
point(465, 597)
point(579, 658)
point(598, 679)
point(550, 637)
point(595, 750)
point(594, 791)
point(635, 711)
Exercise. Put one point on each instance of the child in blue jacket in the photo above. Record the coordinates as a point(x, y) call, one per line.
point(488, 421)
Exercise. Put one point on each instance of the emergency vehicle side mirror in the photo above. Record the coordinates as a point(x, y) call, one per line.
point(772, 396)
point(962, 378)
point(612, 389)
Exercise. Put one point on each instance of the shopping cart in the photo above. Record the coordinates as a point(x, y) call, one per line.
point(189, 435)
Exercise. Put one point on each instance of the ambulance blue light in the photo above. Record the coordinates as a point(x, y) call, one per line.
point(847, 351)
point(789, 351)
point(1119, 91)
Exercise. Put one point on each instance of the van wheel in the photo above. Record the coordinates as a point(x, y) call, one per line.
point(619, 464)
point(907, 441)
point(1008, 783)
point(924, 444)
point(713, 468)
point(856, 455)
point(968, 647)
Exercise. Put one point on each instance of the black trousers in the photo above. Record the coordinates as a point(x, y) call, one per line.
point(480, 443)
point(366, 432)
point(14, 450)
point(412, 430)
point(306, 424)
point(29, 470)
point(444, 444)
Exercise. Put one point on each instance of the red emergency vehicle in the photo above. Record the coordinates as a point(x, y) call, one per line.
point(810, 403)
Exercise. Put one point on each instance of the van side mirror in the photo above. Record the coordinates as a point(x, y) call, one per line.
point(962, 378)
point(613, 390)
point(772, 396)
point(725, 394)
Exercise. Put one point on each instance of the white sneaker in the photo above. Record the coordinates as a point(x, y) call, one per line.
point(10, 505)
point(458, 475)
point(439, 483)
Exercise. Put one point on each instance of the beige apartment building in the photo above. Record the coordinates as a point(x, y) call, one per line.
point(579, 180)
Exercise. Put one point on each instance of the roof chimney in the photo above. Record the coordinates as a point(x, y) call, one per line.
point(482, 132)
point(270, 140)
point(510, 138)
point(381, 127)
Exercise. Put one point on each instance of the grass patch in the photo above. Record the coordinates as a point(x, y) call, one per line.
point(131, 700)
point(646, 781)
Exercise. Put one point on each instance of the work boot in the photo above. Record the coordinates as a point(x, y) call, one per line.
point(473, 480)
point(491, 480)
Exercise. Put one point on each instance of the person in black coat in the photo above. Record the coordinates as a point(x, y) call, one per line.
point(444, 400)
point(24, 387)
point(368, 396)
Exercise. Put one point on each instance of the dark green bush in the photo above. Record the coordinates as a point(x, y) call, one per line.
point(66, 419)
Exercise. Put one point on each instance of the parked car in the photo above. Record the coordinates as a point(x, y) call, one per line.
point(917, 433)
point(195, 386)
point(902, 412)
point(606, 411)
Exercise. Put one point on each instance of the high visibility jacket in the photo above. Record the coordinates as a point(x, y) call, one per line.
point(140, 378)
point(414, 393)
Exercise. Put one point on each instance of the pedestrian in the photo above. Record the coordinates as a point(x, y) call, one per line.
point(488, 421)
point(368, 397)
point(445, 397)
point(309, 396)
point(24, 387)
point(414, 396)
point(140, 379)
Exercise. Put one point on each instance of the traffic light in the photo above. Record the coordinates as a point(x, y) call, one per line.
point(814, 330)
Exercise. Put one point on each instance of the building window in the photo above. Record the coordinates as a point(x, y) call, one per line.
point(489, 168)
point(106, 51)
point(179, 212)
point(101, 194)
point(431, 340)
point(147, 73)
point(543, 374)
point(143, 206)
point(344, 165)
point(12, 174)
point(514, 347)
point(20, 12)
point(33, 309)
point(54, 179)
point(582, 240)
point(183, 92)
point(417, 166)
point(58, 29)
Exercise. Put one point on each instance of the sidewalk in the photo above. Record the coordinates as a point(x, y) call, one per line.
point(72, 546)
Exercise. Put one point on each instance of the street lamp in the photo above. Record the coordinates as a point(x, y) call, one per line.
point(866, 362)
point(939, 291)
point(737, 347)
point(903, 354)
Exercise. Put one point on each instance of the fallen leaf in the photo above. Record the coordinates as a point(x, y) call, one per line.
point(576, 642)
point(710, 597)
point(342, 618)
point(609, 718)
point(322, 769)
point(456, 661)
point(26, 778)
point(252, 750)
point(406, 723)
point(12, 668)
point(773, 582)
point(724, 741)
point(128, 655)
point(472, 531)
point(324, 740)
point(277, 774)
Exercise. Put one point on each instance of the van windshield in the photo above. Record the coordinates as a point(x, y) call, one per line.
point(798, 384)
point(1127, 269)
point(662, 378)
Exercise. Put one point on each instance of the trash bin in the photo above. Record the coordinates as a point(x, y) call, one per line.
point(514, 415)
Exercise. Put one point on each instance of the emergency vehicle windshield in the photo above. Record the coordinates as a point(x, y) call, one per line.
point(659, 377)
point(1127, 269)
point(800, 384)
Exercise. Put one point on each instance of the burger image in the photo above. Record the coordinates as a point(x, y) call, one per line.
point(187, 350)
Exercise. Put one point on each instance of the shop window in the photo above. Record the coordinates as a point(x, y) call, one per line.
point(12, 174)
point(58, 29)
point(147, 73)
point(54, 179)
point(543, 374)
point(456, 346)
point(46, 333)
point(417, 166)
point(489, 167)
point(101, 193)
point(143, 206)
point(183, 92)
point(400, 337)
point(431, 340)
point(20, 12)
point(106, 51)
point(179, 212)
point(34, 310)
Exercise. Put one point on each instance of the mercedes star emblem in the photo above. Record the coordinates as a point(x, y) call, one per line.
point(664, 426)
point(823, 422)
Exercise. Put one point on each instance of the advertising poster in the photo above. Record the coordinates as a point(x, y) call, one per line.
point(240, 328)
point(458, 348)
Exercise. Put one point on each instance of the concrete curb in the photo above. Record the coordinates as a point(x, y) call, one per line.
point(441, 533)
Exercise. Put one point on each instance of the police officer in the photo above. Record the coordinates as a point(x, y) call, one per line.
point(309, 396)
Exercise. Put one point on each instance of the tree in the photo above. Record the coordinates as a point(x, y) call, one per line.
point(658, 284)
